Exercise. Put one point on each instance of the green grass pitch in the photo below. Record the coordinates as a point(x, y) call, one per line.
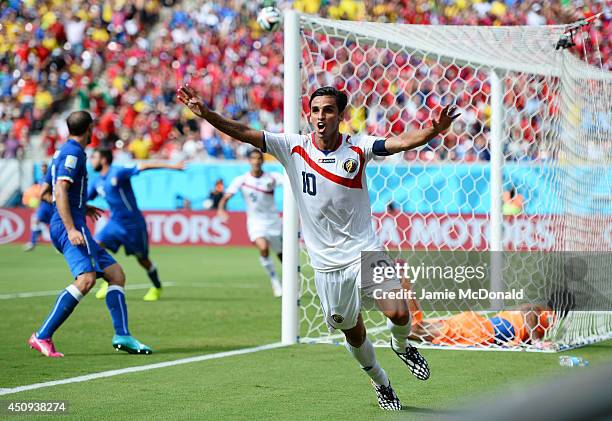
point(221, 301)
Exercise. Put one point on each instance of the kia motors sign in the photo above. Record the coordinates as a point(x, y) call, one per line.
point(466, 232)
point(397, 231)
point(192, 228)
point(183, 228)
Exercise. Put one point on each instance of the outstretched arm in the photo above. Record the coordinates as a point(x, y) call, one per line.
point(188, 96)
point(125, 173)
point(155, 166)
point(417, 138)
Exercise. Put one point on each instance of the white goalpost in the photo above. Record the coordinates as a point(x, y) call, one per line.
point(292, 96)
point(522, 180)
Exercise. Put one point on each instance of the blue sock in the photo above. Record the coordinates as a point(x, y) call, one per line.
point(152, 272)
point(115, 301)
point(65, 303)
point(34, 236)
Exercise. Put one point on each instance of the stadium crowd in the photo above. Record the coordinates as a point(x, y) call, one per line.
point(112, 59)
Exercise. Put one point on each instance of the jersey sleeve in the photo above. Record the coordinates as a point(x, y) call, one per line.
point(234, 186)
point(69, 166)
point(125, 173)
point(279, 145)
point(370, 145)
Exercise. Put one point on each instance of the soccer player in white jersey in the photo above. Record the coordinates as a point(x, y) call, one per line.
point(264, 224)
point(327, 174)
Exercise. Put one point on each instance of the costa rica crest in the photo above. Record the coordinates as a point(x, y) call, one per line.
point(350, 165)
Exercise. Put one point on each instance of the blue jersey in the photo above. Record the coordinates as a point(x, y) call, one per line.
point(116, 188)
point(69, 164)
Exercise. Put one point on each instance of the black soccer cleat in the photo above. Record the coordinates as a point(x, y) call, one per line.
point(416, 363)
point(387, 399)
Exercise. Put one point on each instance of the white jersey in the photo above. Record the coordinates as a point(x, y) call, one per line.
point(332, 196)
point(263, 219)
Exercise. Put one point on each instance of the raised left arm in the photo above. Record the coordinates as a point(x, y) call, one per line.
point(155, 166)
point(414, 139)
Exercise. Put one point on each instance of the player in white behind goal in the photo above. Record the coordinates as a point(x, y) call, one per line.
point(264, 224)
point(327, 174)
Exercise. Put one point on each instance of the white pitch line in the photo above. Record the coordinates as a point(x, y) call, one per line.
point(54, 293)
point(228, 286)
point(111, 373)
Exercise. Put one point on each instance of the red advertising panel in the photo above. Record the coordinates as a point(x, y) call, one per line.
point(404, 231)
point(169, 228)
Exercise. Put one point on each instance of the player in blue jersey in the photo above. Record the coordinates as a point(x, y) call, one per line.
point(44, 210)
point(127, 225)
point(71, 237)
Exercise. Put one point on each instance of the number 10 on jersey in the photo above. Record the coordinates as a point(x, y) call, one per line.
point(309, 183)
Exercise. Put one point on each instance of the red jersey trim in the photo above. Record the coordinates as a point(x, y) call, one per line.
point(338, 142)
point(258, 189)
point(352, 183)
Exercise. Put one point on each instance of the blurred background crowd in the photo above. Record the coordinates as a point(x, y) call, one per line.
point(124, 59)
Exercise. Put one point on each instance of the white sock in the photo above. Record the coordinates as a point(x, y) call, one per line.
point(268, 265)
point(367, 360)
point(399, 335)
point(117, 288)
point(74, 291)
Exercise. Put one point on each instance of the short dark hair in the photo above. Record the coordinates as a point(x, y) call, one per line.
point(106, 154)
point(255, 152)
point(78, 122)
point(341, 98)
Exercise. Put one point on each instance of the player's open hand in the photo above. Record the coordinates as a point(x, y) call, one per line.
point(94, 213)
point(76, 237)
point(188, 96)
point(447, 116)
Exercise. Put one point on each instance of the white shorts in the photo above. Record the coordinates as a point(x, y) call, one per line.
point(343, 295)
point(274, 240)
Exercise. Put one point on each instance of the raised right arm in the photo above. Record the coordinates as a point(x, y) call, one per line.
point(238, 131)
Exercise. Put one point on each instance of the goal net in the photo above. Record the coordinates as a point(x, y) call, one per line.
point(521, 185)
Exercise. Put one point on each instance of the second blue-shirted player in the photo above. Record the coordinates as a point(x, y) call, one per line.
point(87, 261)
point(41, 217)
point(127, 226)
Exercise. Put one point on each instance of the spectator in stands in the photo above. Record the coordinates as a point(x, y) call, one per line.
point(103, 54)
point(481, 149)
point(47, 46)
point(11, 148)
point(213, 146)
point(192, 147)
point(6, 124)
